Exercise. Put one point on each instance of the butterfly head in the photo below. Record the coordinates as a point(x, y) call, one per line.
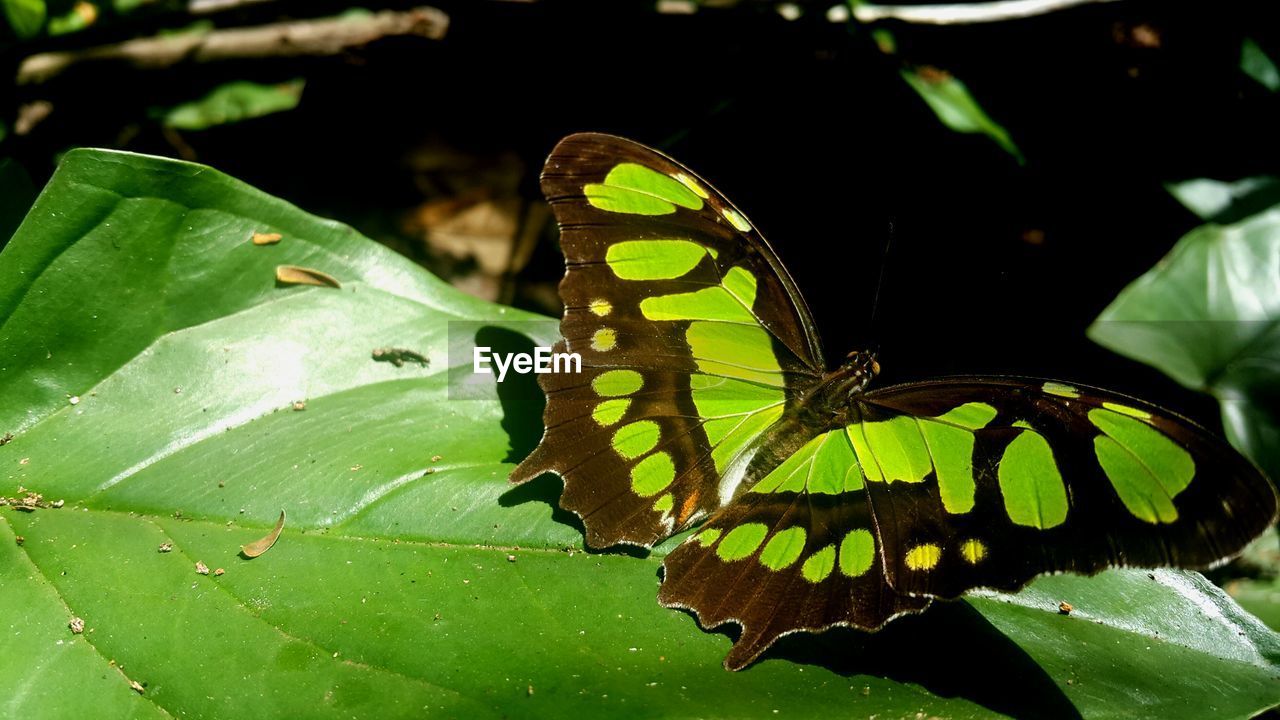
point(862, 364)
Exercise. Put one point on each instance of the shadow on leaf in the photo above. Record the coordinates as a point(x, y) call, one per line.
point(521, 398)
point(951, 650)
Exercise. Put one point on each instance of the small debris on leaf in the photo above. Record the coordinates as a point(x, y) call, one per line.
point(1065, 608)
point(436, 458)
point(399, 356)
point(177, 391)
point(201, 568)
point(295, 275)
point(511, 558)
point(77, 625)
point(6, 439)
point(257, 547)
point(529, 691)
point(137, 687)
point(299, 405)
point(266, 238)
point(57, 504)
point(219, 572)
point(74, 399)
point(165, 547)
point(19, 540)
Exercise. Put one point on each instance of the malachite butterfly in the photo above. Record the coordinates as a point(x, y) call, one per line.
point(704, 399)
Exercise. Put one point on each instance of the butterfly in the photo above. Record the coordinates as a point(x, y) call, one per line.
point(704, 399)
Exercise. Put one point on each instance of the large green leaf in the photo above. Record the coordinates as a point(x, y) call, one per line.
point(1208, 315)
point(133, 287)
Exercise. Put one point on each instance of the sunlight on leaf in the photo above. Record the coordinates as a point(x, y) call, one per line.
point(1217, 201)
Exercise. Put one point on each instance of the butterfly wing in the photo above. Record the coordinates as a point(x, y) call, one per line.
point(988, 482)
point(798, 552)
point(943, 486)
point(692, 337)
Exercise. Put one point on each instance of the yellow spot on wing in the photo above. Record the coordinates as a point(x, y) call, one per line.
point(923, 557)
point(692, 185)
point(604, 340)
point(600, 307)
point(735, 219)
point(973, 551)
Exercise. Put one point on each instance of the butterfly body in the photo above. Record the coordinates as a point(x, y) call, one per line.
point(822, 500)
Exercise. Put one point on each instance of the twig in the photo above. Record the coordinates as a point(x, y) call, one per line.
point(328, 36)
point(978, 12)
point(205, 7)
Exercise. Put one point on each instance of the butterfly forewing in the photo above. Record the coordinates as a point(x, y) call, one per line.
point(692, 337)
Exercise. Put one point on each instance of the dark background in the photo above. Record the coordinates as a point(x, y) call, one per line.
point(994, 267)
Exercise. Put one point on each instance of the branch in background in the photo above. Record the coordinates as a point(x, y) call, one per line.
point(205, 7)
point(328, 36)
point(978, 12)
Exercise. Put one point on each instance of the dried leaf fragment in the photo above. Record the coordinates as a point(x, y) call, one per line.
point(257, 547)
point(219, 572)
point(1065, 608)
point(266, 238)
point(201, 568)
point(77, 625)
point(296, 275)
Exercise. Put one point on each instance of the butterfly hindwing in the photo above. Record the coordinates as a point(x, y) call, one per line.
point(691, 333)
point(988, 482)
point(797, 552)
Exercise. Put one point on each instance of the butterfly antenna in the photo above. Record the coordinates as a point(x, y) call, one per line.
point(875, 301)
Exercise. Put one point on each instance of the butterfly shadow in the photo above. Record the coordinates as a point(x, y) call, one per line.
point(951, 650)
point(521, 399)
